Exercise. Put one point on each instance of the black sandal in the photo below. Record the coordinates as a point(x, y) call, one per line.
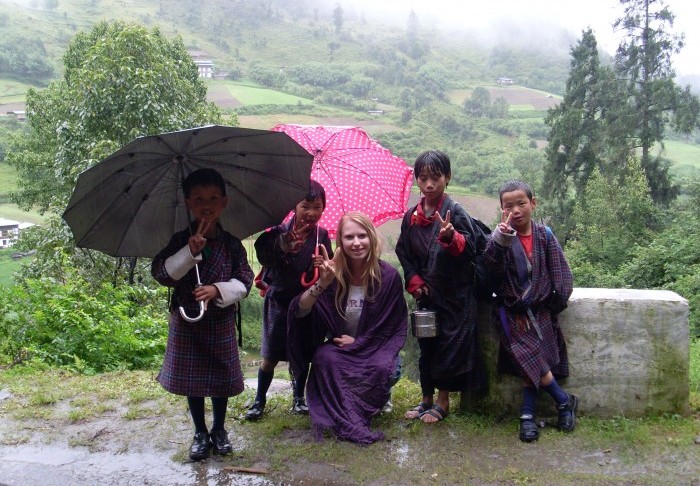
point(421, 408)
point(529, 431)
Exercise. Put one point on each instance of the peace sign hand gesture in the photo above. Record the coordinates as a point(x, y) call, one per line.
point(295, 237)
point(504, 226)
point(325, 265)
point(447, 231)
point(197, 241)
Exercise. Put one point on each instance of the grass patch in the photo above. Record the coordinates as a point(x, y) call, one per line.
point(12, 91)
point(694, 371)
point(8, 266)
point(8, 178)
point(256, 95)
point(682, 154)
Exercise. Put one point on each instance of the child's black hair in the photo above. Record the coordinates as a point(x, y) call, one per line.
point(203, 177)
point(434, 161)
point(316, 191)
point(515, 185)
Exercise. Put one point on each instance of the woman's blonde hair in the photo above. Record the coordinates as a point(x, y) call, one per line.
point(371, 273)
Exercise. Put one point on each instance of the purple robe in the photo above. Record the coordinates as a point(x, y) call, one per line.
point(349, 385)
point(531, 349)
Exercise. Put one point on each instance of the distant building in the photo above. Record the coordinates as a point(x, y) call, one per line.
point(205, 68)
point(19, 114)
point(9, 231)
point(504, 81)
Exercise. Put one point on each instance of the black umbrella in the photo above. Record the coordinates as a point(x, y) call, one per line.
point(131, 203)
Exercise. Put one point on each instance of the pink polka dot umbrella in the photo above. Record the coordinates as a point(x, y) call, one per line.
point(357, 173)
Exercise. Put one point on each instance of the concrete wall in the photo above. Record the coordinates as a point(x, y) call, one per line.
point(628, 351)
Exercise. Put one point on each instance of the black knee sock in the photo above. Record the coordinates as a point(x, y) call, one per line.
point(264, 381)
point(218, 405)
point(300, 382)
point(196, 405)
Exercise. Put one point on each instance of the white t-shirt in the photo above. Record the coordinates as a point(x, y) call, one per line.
point(353, 309)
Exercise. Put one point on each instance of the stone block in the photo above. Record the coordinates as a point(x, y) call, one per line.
point(628, 351)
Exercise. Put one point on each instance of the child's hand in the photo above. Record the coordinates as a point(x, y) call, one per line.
point(205, 293)
point(296, 236)
point(447, 231)
point(343, 340)
point(420, 292)
point(197, 241)
point(504, 226)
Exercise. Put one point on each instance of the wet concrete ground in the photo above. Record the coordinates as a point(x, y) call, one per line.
point(58, 464)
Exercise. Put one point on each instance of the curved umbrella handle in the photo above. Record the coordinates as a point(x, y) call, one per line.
point(193, 319)
point(313, 280)
point(202, 304)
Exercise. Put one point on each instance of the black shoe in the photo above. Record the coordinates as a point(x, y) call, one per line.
point(566, 422)
point(300, 406)
point(200, 446)
point(255, 412)
point(528, 428)
point(220, 442)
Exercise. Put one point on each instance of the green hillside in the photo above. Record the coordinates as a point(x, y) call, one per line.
point(289, 62)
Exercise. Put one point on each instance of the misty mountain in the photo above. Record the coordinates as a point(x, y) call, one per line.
point(238, 34)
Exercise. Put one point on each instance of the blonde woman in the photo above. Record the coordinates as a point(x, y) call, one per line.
point(358, 315)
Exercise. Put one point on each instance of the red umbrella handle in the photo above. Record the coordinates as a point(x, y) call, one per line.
point(304, 283)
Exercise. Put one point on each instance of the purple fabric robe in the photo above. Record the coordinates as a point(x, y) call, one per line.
point(348, 386)
point(523, 351)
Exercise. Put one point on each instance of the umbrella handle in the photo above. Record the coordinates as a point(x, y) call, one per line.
point(202, 305)
point(304, 283)
point(193, 319)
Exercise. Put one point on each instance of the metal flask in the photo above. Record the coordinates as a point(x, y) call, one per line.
point(424, 323)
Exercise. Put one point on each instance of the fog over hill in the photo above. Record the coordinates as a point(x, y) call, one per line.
point(552, 23)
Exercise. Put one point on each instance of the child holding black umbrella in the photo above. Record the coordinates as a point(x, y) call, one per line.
point(204, 264)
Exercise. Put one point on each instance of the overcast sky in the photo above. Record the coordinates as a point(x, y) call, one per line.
point(574, 15)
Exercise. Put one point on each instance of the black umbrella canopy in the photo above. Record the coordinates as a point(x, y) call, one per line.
point(131, 203)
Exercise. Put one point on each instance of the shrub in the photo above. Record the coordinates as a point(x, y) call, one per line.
point(81, 327)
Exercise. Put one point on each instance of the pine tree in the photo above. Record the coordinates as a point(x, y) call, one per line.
point(576, 142)
point(643, 61)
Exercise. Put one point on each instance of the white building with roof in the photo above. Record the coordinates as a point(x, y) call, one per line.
point(9, 231)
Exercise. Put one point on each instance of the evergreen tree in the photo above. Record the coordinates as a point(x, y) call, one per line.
point(576, 142)
point(338, 17)
point(643, 60)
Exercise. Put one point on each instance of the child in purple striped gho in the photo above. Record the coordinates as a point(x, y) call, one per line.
point(209, 272)
point(535, 285)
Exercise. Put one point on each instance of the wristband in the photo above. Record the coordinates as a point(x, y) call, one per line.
point(316, 290)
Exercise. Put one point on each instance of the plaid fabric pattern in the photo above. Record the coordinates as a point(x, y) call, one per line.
point(454, 351)
point(201, 358)
point(285, 271)
point(522, 351)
